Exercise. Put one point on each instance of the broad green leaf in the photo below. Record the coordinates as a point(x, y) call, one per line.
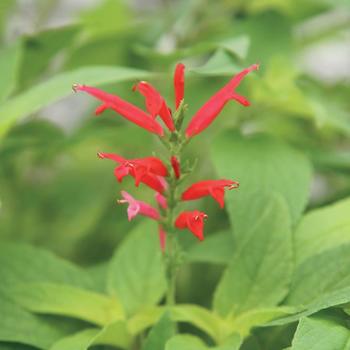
point(261, 164)
point(114, 334)
point(322, 229)
point(10, 58)
point(136, 274)
point(145, 318)
point(21, 263)
point(18, 325)
point(320, 275)
point(59, 87)
point(216, 249)
point(64, 300)
point(161, 332)
point(318, 334)
point(260, 270)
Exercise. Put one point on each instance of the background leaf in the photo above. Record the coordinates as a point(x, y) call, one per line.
point(136, 273)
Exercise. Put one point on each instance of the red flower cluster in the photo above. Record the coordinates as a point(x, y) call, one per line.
point(152, 171)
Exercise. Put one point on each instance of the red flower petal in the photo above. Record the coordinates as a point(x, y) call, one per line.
point(122, 107)
point(193, 221)
point(214, 188)
point(155, 103)
point(179, 84)
point(176, 166)
point(210, 110)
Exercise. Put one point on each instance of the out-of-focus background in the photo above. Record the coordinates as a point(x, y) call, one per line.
point(55, 193)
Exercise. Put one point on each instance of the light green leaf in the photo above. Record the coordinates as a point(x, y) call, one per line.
point(204, 319)
point(322, 229)
point(261, 164)
point(260, 270)
point(161, 332)
point(221, 63)
point(320, 275)
point(21, 263)
point(10, 58)
point(60, 299)
point(216, 249)
point(185, 342)
point(114, 334)
point(136, 274)
point(190, 342)
point(59, 87)
point(257, 317)
point(18, 325)
point(318, 334)
point(144, 319)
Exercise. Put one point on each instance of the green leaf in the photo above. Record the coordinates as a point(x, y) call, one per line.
point(59, 87)
point(18, 325)
point(204, 319)
point(216, 249)
point(161, 332)
point(64, 300)
point(260, 270)
point(21, 263)
point(136, 274)
point(320, 275)
point(10, 58)
point(190, 342)
point(261, 164)
point(220, 63)
point(114, 334)
point(40, 49)
point(322, 229)
point(257, 317)
point(318, 334)
point(185, 342)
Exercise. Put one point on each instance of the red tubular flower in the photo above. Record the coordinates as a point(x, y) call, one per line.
point(179, 84)
point(214, 188)
point(210, 110)
point(193, 221)
point(176, 166)
point(155, 103)
point(136, 207)
point(161, 200)
point(122, 107)
point(148, 170)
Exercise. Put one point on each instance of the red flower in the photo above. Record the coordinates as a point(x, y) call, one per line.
point(155, 103)
point(193, 221)
point(210, 110)
point(179, 84)
point(136, 207)
point(176, 166)
point(214, 188)
point(124, 108)
point(149, 170)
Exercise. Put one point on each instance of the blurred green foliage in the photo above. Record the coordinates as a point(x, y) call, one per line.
point(55, 193)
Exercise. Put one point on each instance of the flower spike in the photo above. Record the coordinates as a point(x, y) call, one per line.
point(214, 188)
point(193, 221)
point(155, 103)
point(122, 107)
point(162, 238)
point(136, 207)
point(210, 110)
point(179, 84)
